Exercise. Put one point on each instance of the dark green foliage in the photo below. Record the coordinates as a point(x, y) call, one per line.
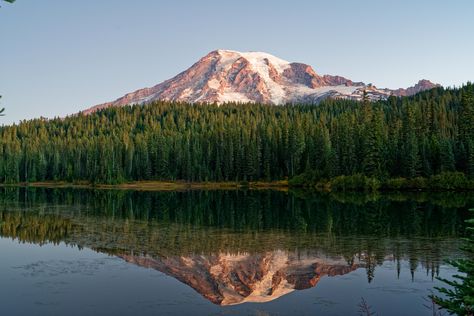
point(410, 137)
point(466, 130)
point(356, 182)
point(459, 298)
point(444, 181)
point(340, 213)
point(449, 181)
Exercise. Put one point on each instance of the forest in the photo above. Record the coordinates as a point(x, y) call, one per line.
point(416, 141)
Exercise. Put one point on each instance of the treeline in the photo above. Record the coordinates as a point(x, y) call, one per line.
point(420, 136)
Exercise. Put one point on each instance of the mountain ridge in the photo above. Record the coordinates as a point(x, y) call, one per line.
point(257, 77)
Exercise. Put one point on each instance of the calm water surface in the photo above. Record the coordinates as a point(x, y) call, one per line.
point(87, 252)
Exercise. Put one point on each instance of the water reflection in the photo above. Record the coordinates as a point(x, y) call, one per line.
point(243, 246)
point(228, 279)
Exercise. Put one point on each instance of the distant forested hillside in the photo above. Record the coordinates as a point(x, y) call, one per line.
point(419, 136)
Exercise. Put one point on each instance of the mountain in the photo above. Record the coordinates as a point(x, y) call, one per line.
point(227, 279)
point(231, 76)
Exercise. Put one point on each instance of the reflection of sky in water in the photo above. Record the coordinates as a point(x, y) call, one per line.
point(49, 279)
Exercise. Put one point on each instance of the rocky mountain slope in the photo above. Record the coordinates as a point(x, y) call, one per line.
point(231, 76)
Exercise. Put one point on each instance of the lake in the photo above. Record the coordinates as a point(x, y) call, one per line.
point(112, 252)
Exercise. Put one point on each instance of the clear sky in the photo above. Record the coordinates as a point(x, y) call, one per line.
point(58, 57)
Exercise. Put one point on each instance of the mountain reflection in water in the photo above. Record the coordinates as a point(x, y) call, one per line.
point(234, 247)
point(228, 279)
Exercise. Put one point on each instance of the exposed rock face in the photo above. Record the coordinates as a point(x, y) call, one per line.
point(226, 279)
point(230, 76)
point(422, 85)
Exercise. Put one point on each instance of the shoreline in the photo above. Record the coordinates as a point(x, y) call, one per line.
point(281, 185)
point(180, 185)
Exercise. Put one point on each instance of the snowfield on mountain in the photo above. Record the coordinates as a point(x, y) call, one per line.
point(230, 76)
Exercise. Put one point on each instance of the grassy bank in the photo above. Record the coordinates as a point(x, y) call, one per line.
point(164, 185)
point(446, 181)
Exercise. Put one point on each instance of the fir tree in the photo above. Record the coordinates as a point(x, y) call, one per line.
point(460, 297)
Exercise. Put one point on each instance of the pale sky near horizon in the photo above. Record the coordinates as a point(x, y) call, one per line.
point(59, 57)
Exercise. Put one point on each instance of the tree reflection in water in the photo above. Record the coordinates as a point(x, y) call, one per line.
point(243, 246)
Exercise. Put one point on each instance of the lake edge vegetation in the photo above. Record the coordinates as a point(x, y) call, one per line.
point(459, 297)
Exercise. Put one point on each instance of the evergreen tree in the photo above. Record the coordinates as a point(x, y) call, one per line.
point(466, 127)
point(411, 161)
point(460, 299)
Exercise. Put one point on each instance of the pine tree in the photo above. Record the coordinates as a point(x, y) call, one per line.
point(372, 160)
point(460, 299)
point(410, 144)
point(466, 127)
point(447, 156)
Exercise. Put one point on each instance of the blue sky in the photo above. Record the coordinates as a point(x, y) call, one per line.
point(58, 57)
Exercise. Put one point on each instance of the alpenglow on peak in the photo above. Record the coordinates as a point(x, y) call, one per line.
point(231, 76)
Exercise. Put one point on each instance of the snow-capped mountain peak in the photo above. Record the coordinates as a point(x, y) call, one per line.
point(232, 76)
